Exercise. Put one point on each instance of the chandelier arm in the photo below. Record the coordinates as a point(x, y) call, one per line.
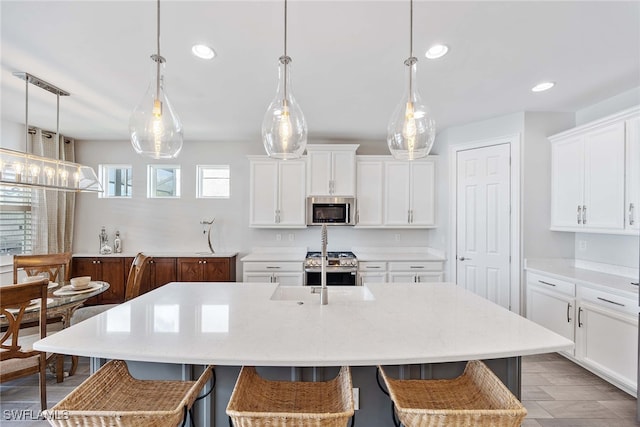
point(26, 114)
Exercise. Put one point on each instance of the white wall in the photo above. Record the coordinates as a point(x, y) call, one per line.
point(174, 225)
point(12, 135)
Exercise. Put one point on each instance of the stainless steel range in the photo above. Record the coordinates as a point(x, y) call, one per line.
point(342, 269)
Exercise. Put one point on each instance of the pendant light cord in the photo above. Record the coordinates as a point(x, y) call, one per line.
point(411, 60)
point(158, 53)
point(285, 59)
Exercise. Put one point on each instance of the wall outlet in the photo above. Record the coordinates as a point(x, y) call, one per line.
point(582, 245)
point(356, 398)
point(278, 237)
point(396, 237)
point(292, 237)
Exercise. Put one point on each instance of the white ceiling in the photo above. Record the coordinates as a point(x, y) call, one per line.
point(348, 58)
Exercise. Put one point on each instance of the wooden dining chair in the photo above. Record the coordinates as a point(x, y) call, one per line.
point(17, 357)
point(56, 266)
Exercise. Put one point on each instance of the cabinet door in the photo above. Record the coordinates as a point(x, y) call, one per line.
point(215, 270)
point(112, 270)
point(632, 203)
point(189, 269)
point(258, 277)
point(263, 192)
point(423, 211)
point(319, 163)
point(370, 193)
point(163, 271)
point(434, 277)
point(291, 187)
point(567, 183)
point(397, 193)
point(607, 341)
point(604, 178)
point(402, 277)
point(289, 279)
point(343, 173)
point(368, 277)
point(552, 310)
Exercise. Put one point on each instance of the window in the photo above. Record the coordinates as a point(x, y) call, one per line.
point(163, 181)
point(15, 220)
point(213, 182)
point(116, 180)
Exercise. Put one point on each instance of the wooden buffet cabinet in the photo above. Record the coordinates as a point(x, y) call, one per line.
point(162, 270)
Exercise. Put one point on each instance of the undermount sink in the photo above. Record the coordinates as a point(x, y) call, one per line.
point(312, 294)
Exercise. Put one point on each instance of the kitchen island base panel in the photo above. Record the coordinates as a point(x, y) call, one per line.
point(375, 406)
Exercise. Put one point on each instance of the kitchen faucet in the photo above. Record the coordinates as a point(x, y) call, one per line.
point(324, 292)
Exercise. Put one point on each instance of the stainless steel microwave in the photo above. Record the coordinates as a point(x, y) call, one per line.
point(331, 210)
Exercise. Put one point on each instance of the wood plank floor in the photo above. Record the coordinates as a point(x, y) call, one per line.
point(556, 393)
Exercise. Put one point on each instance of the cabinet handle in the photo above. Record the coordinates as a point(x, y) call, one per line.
point(579, 317)
point(568, 310)
point(417, 278)
point(204, 262)
point(631, 221)
point(579, 214)
point(417, 266)
point(372, 266)
point(463, 259)
point(272, 267)
point(611, 302)
point(546, 283)
point(584, 214)
point(98, 262)
point(409, 217)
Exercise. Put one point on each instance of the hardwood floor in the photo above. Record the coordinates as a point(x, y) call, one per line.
point(555, 391)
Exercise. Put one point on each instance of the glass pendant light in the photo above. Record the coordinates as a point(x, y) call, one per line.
point(154, 127)
point(411, 130)
point(284, 129)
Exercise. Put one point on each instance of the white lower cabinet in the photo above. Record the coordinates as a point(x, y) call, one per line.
point(284, 273)
point(603, 325)
point(416, 272)
point(607, 337)
point(552, 304)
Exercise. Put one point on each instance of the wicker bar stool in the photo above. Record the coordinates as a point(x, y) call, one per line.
point(112, 397)
point(257, 402)
point(475, 398)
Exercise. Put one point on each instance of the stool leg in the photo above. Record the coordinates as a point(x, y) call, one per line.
point(74, 365)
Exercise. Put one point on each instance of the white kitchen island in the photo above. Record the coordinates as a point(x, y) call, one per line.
point(235, 324)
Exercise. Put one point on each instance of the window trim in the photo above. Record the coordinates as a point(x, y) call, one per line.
point(152, 185)
point(103, 172)
point(199, 181)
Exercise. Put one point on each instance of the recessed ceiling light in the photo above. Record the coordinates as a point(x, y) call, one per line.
point(540, 87)
point(437, 51)
point(203, 51)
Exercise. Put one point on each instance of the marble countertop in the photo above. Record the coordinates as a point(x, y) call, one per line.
point(163, 254)
point(568, 270)
point(238, 324)
point(400, 256)
point(362, 253)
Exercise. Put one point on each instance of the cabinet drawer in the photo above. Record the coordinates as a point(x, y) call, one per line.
point(372, 266)
point(273, 266)
point(416, 266)
point(554, 284)
point(608, 300)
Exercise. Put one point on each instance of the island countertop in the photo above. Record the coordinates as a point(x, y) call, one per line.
point(238, 324)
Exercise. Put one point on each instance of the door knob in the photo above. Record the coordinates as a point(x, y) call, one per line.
point(464, 259)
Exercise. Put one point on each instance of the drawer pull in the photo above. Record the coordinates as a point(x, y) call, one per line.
point(611, 302)
point(417, 266)
point(372, 266)
point(579, 317)
point(272, 267)
point(547, 283)
point(568, 309)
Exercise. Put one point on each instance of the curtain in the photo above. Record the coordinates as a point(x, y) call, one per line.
point(52, 211)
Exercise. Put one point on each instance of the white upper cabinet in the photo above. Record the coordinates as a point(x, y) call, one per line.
point(632, 196)
point(277, 193)
point(370, 196)
point(331, 169)
point(589, 166)
point(409, 193)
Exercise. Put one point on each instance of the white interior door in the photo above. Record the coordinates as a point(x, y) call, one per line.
point(483, 222)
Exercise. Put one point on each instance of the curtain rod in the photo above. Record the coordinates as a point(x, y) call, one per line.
point(47, 134)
